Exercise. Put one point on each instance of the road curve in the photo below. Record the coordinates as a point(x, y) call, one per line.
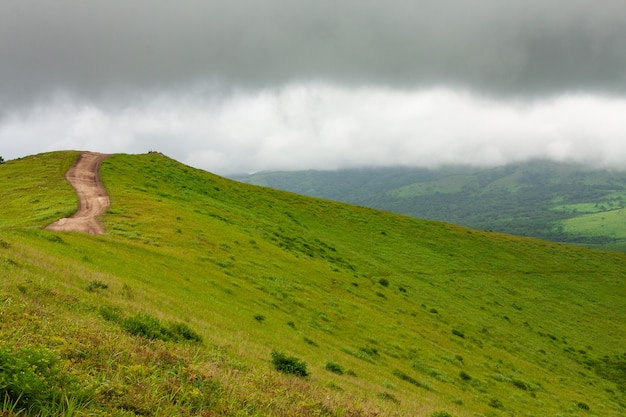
point(93, 199)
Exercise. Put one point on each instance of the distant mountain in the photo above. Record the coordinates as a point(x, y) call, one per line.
point(543, 199)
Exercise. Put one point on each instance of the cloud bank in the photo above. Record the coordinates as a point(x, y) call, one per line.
point(295, 84)
point(327, 127)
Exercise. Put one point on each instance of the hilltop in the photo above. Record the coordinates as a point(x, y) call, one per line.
point(562, 202)
point(200, 281)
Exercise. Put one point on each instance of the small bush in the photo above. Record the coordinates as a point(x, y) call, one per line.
point(110, 313)
point(384, 282)
point(458, 333)
point(288, 364)
point(334, 367)
point(496, 403)
point(96, 285)
point(583, 406)
point(145, 326)
point(388, 397)
point(32, 379)
point(151, 328)
point(520, 384)
point(410, 379)
point(259, 317)
point(182, 331)
point(464, 376)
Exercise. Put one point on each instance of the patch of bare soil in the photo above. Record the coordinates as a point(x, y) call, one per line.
point(93, 200)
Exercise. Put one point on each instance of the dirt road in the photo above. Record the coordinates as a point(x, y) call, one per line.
point(92, 197)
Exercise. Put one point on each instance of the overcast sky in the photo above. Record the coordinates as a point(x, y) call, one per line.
point(233, 86)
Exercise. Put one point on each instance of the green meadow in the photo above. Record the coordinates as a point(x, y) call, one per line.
point(542, 199)
point(211, 297)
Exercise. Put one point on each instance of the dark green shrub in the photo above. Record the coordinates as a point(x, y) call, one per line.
point(388, 397)
point(384, 282)
point(32, 379)
point(145, 326)
point(334, 367)
point(182, 331)
point(495, 403)
point(259, 317)
point(464, 376)
point(149, 327)
point(288, 364)
point(410, 379)
point(458, 333)
point(110, 313)
point(96, 285)
point(583, 406)
point(520, 384)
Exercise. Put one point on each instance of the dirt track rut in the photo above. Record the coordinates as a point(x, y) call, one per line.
point(93, 200)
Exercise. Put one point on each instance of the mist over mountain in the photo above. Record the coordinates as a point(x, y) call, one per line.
point(555, 201)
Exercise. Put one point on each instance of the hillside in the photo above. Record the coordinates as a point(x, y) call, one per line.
point(548, 200)
point(178, 307)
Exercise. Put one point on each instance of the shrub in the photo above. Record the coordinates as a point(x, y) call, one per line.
point(334, 367)
point(583, 406)
point(151, 328)
point(144, 325)
point(259, 317)
point(32, 379)
point(182, 331)
point(410, 379)
point(384, 282)
point(458, 333)
point(110, 313)
point(96, 285)
point(464, 376)
point(388, 397)
point(310, 342)
point(496, 403)
point(288, 364)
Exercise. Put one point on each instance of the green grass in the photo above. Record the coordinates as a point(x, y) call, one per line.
point(543, 199)
point(542, 323)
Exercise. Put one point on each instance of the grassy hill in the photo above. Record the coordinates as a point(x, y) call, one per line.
point(548, 200)
point(201, 282)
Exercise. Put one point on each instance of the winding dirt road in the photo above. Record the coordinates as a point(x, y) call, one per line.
point(92, 197)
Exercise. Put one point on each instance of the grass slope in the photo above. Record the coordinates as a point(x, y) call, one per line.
point(200, 281)
point(548, 200)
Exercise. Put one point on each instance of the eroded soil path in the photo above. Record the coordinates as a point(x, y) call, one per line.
point(93, 199)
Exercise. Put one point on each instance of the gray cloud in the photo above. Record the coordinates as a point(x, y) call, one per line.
point(326, 127)
point(511, 47)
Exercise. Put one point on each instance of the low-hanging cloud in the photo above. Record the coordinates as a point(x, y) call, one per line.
point(494, 47)
point(326, 127)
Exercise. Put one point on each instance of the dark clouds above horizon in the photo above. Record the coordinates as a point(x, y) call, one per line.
point(285, 84)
